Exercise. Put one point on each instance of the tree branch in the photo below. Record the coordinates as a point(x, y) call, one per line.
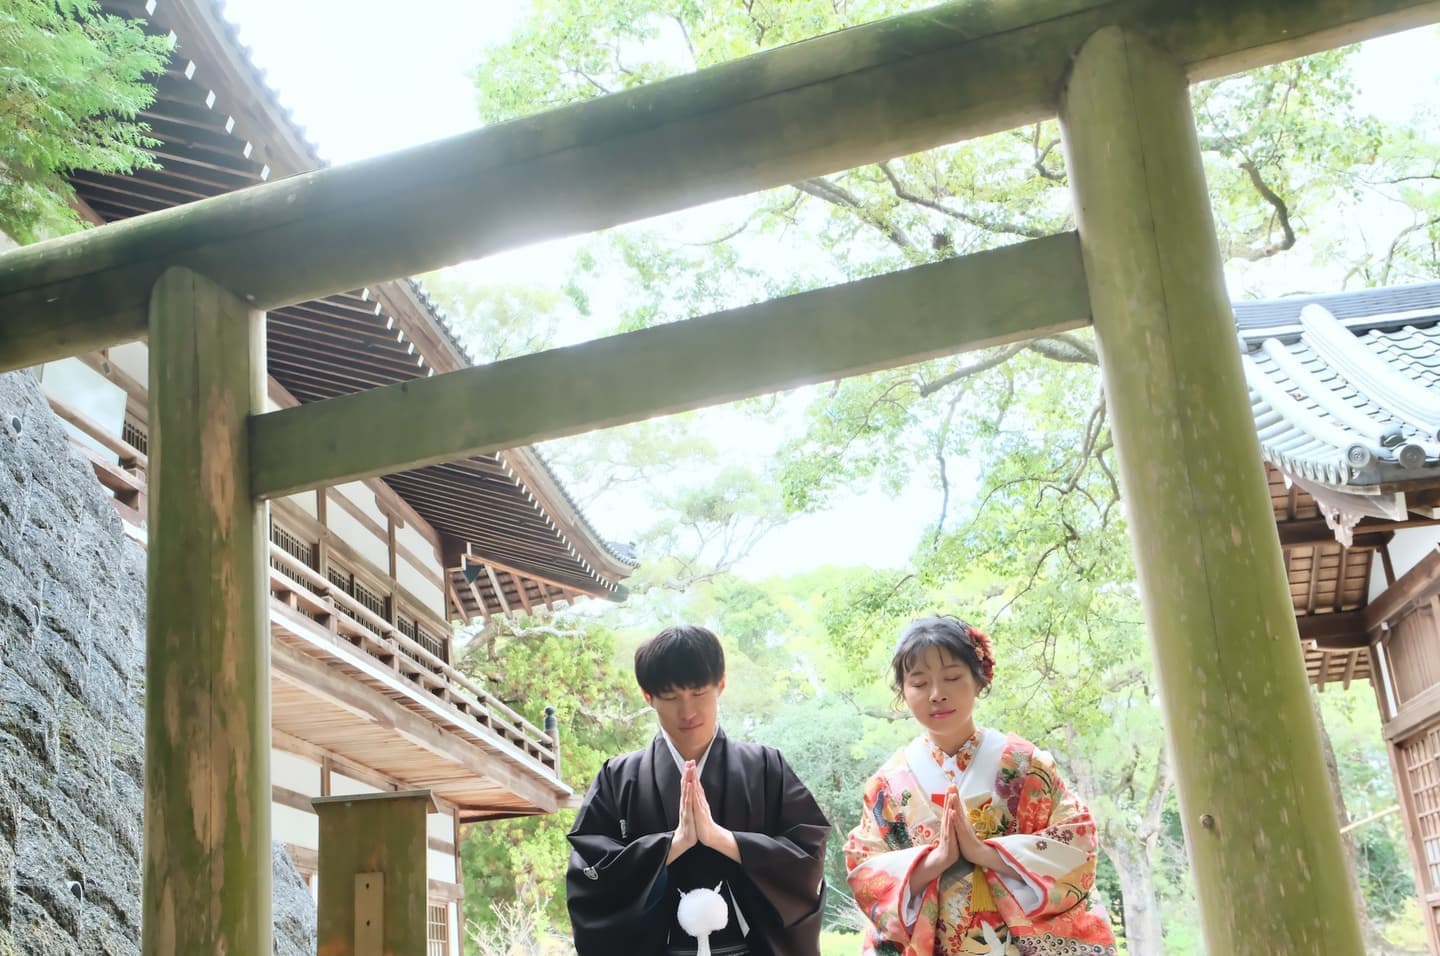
point(1282, 214)
point(999, 357)
point(1064, 347)
point(839, 196)
point(940, 440)
point(1045, 172)
point(1396, 243)
point(989, 225)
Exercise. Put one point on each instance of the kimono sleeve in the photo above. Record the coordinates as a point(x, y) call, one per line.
point(1053, 850)
point(787, 864)
point(612, 885)
point(880, 858)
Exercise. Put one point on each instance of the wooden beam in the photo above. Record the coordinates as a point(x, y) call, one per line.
point(1350, 664)
point(869, 93)
point(1314, 579)
point(1417, 584)
point(515, 572)
point(965, 303)
point(479, 600)
point(499, 591)
point(293, 799)
point(207, 685)
point(444, 890)
point(1370, 532)
point(1335, 631)
point(1218, 613)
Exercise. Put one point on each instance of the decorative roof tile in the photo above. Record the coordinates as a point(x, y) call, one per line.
point(1345, 388)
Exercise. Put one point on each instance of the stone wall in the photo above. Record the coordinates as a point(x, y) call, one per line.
point(72, 727)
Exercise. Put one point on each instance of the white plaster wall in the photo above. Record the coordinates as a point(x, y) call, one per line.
point(441, 866)
point(288, 825)
point(364, 499)
point(422, 586)
point(357, 536)
point(88, 392)
point(407, 536)
point(441, 826)
point(341, 785)
point(294, 773)
point(305, 501)
point(1406, 549)
point(132, 358)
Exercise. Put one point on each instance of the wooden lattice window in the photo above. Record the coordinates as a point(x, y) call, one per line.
point(293, 545)
point(372, 601)
point(135, 434)
point(419, 635)
point(344, 581)
point(438, 935)
point(1421, 758)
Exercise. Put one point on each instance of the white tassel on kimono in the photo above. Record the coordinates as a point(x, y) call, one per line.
point(702, 912)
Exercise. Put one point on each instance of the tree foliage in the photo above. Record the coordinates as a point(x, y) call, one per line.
point(72, 81)
point(571, 665)
point(1013, 442)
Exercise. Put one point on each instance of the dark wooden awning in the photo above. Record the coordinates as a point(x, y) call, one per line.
point(221, 129)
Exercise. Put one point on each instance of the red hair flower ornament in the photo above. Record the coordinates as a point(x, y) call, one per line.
point(984, 652)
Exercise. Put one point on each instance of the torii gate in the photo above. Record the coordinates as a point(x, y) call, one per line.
point(1144, 268)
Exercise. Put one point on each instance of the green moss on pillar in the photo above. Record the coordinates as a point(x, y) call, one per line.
point(1262, 834)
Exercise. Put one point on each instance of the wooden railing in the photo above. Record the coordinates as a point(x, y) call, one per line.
point(302, 588)
point(295, 583)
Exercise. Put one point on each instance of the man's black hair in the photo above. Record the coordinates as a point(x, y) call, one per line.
point(681, 656)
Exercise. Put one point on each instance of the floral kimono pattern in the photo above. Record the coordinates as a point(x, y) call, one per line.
point(1017, 803)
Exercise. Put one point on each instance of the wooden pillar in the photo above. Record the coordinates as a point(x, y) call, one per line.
point(552, 730)
point(374, 882)
point(207, 670)
point(1263, 839)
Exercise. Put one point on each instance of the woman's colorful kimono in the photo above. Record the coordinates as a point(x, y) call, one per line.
point(1017, 803)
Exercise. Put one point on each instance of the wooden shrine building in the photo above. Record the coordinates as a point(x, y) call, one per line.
point(199, 281)
point(365, 577)
point(1345, 393)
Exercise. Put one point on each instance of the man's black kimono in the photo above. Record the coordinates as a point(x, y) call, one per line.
point(621, 894)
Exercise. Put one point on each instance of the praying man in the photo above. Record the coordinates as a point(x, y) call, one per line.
point(695, 811)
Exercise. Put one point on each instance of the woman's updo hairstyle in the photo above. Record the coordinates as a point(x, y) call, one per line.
point(954, 638)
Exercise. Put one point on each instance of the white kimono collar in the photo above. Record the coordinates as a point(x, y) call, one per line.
point(680, 761)
point(977, 778)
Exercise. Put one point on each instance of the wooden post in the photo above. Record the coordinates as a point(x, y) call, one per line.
point(552, 730)
point(207, 670)
point(1263, 839)
point(373, 874)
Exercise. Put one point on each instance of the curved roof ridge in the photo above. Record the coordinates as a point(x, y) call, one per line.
point(1370, 374)
point(1370, 430)
point(1348, 450)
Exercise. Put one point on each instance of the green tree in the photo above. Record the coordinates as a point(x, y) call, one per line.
point(570, 664)
point(1040, 554)
point(819, 740)
point(72, 80)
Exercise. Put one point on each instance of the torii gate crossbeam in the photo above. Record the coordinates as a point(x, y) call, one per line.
point(863, 95)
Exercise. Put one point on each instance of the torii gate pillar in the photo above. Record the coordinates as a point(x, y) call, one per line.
point(1263, 839)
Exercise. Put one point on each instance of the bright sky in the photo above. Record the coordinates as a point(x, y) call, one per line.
point(366, 77)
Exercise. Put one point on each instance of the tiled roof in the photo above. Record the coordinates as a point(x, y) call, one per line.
point(1345, 389)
